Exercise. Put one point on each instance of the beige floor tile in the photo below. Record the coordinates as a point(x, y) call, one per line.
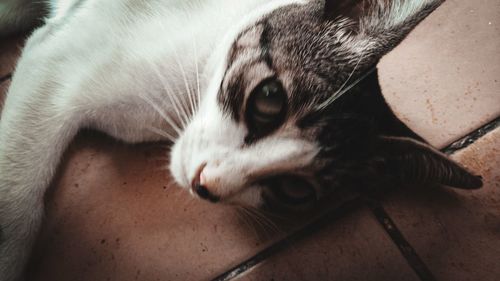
point(113, 214)
point(456, 232)
point(354, 247)
point(444, 79)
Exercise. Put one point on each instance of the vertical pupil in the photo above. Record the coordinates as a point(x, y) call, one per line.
point(268, 100)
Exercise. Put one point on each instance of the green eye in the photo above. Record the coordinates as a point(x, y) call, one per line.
point(266, 107)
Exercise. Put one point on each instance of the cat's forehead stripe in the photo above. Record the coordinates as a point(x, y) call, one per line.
point(265, 44)
point(246, 40)
point(232, 90)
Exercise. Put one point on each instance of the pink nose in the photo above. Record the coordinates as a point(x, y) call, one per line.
point(202, 190)
point(197, 175)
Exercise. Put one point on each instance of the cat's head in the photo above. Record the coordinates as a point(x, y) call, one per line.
point(273, 126)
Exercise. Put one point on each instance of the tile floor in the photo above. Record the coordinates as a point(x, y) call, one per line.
point(113, 213)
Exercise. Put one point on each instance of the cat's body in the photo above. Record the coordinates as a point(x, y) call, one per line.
point(75, 72)
point(138, 70)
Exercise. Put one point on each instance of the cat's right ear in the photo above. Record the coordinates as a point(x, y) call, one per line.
point(376, 26)
point(411, 161)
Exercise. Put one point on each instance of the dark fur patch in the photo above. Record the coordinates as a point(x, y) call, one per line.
point(321, 56)
point(265, 45)
point(231, 98)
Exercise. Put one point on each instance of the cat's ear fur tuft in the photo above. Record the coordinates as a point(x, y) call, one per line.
point(378, 24)
point(411, 162)
point(380, 14)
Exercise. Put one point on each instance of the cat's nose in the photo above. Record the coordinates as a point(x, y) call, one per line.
point(200, 189)
point(204, 193)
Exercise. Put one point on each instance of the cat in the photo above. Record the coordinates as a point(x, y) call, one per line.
point(267, 103)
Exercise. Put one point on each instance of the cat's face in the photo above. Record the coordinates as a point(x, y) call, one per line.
point(270, 128)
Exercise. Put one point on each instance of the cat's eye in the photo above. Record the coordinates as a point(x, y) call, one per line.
point(289, 192)
point(293, 191)
point(268, 101)
point(266, 107)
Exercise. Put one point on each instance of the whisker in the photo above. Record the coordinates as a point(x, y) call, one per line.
point(268, 216)
point(182, 105)
point(249, 221)
point(162, 113)
point(187, 116)
point(171, 96)
point(161, 133)
point(267, 223)
point(343, 89)
point(186, 84)
point(189, 102)
point(198, 93)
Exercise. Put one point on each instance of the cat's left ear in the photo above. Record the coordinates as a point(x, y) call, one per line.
point(376, 25)
point(412, 161)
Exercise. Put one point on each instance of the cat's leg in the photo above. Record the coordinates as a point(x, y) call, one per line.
point(35, 129)
point(39, 119)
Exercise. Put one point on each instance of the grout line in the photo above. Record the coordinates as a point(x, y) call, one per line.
point(397, 237)
point(5, 77)
point(283, 243)
point(472, 137)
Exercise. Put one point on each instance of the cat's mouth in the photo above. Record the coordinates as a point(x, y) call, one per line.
point(288, 192)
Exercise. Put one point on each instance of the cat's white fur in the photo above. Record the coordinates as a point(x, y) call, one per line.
point(106, 65)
